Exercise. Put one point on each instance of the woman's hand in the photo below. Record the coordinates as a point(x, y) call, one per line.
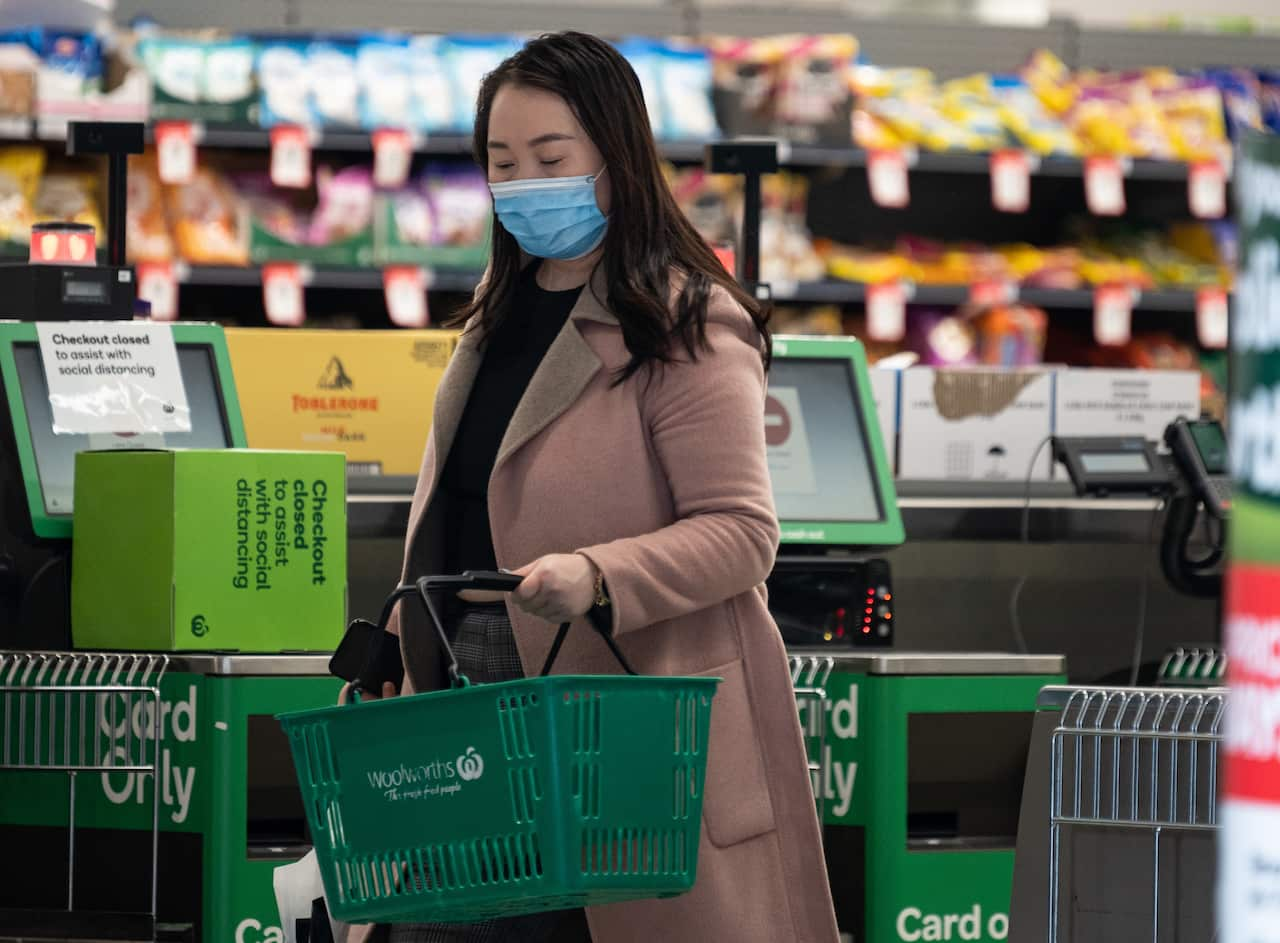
point(557, 588)
point(388, 690)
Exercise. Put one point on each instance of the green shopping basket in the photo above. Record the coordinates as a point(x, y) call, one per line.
point(500, 799)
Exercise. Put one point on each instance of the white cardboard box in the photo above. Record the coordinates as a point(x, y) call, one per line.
point(1099, 402)
point(884, 390)
point(974, 424)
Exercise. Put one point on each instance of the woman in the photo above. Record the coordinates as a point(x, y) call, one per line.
point(600, 431)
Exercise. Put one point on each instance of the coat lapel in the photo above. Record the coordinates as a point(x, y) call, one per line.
point(565, 371)
point(451, 397)
point(569, 365)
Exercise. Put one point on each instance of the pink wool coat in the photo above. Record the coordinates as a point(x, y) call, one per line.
point(664, 486)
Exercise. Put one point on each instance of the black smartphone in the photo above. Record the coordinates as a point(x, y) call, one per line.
point(369, 654)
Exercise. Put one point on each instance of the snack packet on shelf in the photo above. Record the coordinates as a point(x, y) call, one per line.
point(345, 205)
point(1100, 268)
point(685, 77)
point(382, 72)
point(147, 225)
point(941, 337)
point(460, 204)
point(274, 211)
point(18, 67)
point(710, 201)
point(284, 79)
point(432, 104)
point(208, 220)
point(854, 264)
point(1241, 92)
point(1011, 335)
point(70, 198)
point(745, 82)
point(20, 170)
point(1028, 121)
point(334, 85)
point(814, 93)
point(1051, 81)
point(1193, 115)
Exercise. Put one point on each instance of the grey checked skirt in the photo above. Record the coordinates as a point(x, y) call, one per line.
point(486, 652)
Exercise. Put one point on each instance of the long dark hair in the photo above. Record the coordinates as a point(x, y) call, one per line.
point(648, 237)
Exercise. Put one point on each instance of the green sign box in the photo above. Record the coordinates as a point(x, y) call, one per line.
point(226, 550)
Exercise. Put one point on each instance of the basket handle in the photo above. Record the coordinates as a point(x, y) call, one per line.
point(608, 640)
point(506, 582)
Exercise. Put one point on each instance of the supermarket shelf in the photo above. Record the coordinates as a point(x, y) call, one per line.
point(838, 292)
point(790, 155)
point(977, 512)
point(821, 292)
point(369, 279)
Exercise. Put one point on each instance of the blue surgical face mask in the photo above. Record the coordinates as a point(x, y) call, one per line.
point(551, 217)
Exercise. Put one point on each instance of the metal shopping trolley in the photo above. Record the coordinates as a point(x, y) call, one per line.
point(79, 713)
point(809, 676)
point(1133, 808)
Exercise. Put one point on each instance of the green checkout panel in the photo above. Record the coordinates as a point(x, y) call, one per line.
point(229, 807)
point(917, 764)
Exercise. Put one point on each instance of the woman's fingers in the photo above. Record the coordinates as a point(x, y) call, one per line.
point(388, 690)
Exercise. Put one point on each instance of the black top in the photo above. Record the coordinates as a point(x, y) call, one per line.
point(511, 355)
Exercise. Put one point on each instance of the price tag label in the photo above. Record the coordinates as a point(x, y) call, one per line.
point(290, 157)
point(1011, 181)
point(1207, 190)
point(1104, 186)
point(887, 178)
point(392, 156)
point(1212, 318)
point(175, 151)
point(158, 286)
point(405, 289)
point(1112, 315)
point(282, 294)
point(886, 311)
point(988, 293)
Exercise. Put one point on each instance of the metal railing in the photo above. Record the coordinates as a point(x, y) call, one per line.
point(75, 713)
point(809, 675)
point(1133, 758)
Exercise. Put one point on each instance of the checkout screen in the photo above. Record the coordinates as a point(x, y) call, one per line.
point(56, 454)
point(819, 459)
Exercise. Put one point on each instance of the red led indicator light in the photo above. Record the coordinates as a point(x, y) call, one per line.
point(866, 630)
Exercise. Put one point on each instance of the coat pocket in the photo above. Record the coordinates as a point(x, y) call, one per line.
point(736, 804)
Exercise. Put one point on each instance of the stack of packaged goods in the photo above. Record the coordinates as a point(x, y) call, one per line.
point(50, 76)
point(1048, 109)
point(229, 216)
point(1183, 256)
point(423, 84)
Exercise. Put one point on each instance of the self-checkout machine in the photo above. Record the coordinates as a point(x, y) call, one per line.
point(228, 807)
point(919, 778)
point(921, 755)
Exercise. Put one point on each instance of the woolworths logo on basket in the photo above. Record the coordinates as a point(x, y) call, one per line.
point(427, 780)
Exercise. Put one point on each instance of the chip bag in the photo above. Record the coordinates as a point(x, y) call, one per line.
point(20, 169)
